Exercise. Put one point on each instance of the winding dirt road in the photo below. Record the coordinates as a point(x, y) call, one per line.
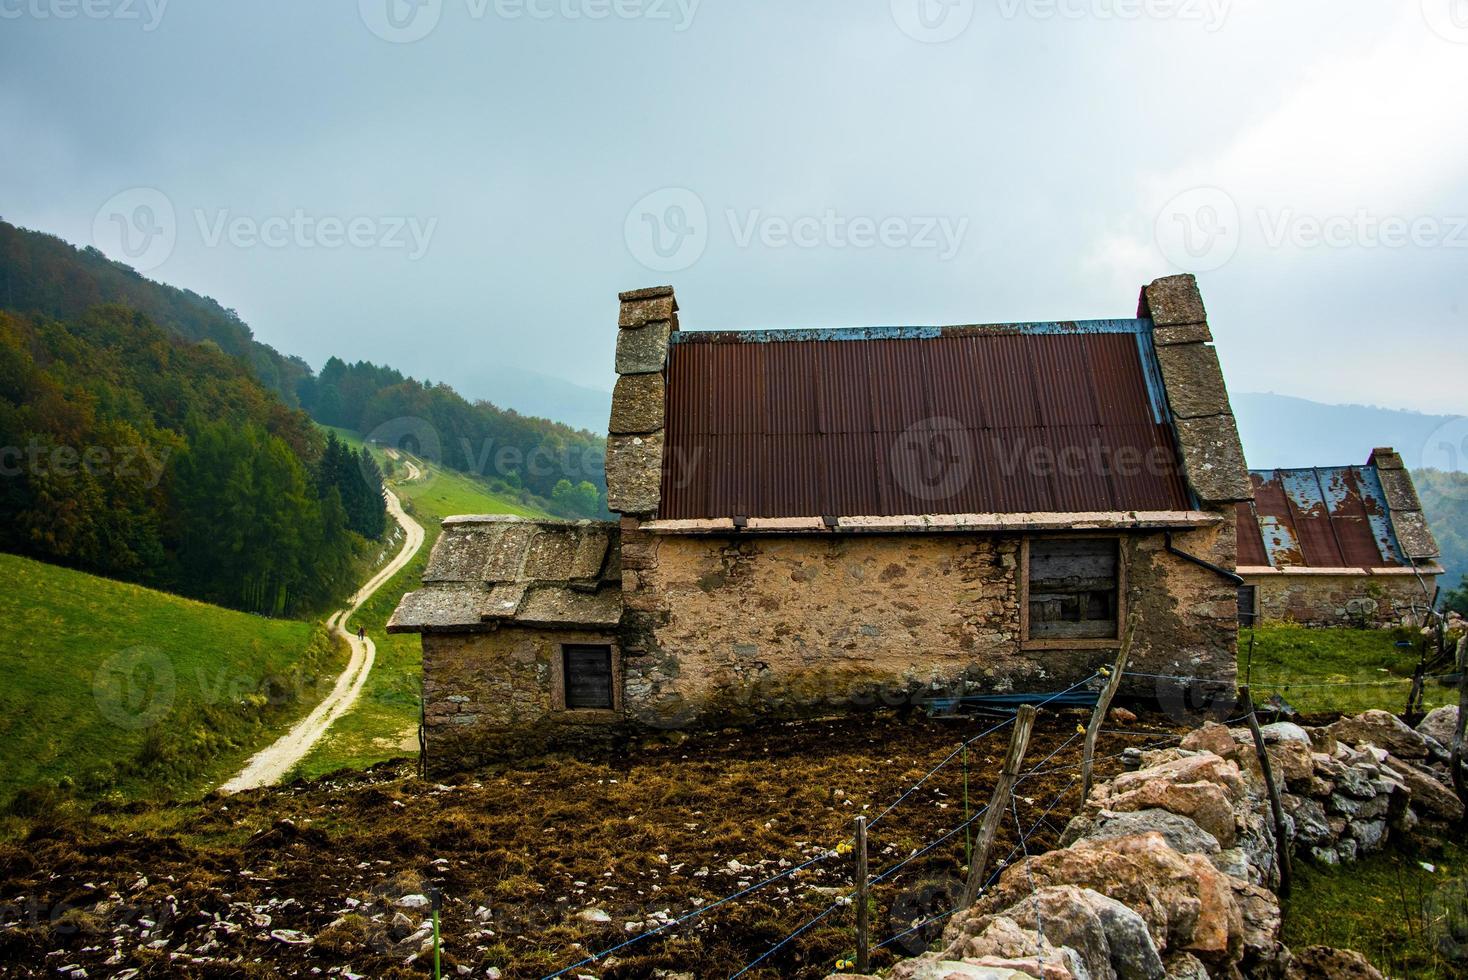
point(267, 767)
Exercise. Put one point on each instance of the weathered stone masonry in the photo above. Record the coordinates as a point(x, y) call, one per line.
point(731, 619)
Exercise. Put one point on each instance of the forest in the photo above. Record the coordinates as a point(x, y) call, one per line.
point(544, 462)
point(131, 453)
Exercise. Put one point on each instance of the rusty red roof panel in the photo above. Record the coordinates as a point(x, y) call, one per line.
point(1325, 517)
point(891, 421)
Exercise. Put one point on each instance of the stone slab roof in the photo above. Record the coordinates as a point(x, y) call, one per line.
point(488, 571)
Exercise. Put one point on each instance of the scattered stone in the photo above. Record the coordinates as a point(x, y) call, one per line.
point(1384, 730)
point(1441, 725)
point(413, 902)
point(1314, 962)
point(593, 916)
point(1122, 716)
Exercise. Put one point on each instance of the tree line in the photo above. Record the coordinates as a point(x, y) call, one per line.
point(129, 452)
point(559, 465)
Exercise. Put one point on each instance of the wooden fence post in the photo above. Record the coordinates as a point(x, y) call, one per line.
point(1103, 704)
point(1460, 779)
point(1281, 836)
point(863, 913)
point(1019, 743)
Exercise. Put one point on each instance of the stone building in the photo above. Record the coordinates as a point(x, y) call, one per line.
point(1336, 546)
point(823, 520)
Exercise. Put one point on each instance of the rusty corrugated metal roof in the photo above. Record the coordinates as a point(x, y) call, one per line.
point(1321, 517)
point(1005, 418)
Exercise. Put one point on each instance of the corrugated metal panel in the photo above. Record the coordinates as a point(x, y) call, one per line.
point(1330, 517)
point(1251, 540)
point(886, 422)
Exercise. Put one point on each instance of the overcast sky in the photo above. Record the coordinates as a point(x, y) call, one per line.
point(460, 187)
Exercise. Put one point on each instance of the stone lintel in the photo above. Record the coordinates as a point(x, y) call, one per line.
point(647, 292)
point(643, 350)
point(1386, 458)
point(1174, 301)
point(1397, 487)
point(1194, 380)
point(1213, 459)
point(637, 404)
point(634, 473)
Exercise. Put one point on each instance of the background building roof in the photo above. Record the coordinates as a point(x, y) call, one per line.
point(1334, 517)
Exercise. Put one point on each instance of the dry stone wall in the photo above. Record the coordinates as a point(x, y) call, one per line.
point(1168, 873)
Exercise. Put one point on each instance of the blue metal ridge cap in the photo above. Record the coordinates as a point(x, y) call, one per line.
point(1268, 474)
point(1044, 328)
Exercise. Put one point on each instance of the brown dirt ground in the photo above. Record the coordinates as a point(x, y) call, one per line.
point(198, 889)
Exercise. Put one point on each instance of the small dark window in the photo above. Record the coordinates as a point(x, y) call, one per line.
point(1073, 589)
point(1248, 604)
point(588, 677)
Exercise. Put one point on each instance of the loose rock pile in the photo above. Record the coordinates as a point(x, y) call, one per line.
point(1168, 872)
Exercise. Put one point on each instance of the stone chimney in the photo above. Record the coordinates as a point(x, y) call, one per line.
point(1408, 521)
point(1208, 436)
point(635, 431)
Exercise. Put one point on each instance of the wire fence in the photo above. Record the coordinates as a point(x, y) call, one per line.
point(928, 848)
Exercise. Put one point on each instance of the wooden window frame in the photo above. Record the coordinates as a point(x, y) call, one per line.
point(1107, 643)
point(558, 681)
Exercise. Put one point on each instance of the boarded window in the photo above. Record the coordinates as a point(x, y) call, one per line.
point(588, 677)
point(1073, 589)
point(1248, 604)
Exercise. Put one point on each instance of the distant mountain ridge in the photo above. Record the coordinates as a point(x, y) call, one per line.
point(1281, 431)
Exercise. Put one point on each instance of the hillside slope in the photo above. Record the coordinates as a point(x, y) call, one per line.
point(117, 688)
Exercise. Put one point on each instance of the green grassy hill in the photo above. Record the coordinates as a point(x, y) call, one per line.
point(384, 722)
point(114, 689)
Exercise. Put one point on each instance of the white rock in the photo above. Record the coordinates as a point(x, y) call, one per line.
point(593, 916)
point(413, 902)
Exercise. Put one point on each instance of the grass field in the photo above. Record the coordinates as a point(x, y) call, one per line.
point(384, 723)
point(1334, 670)
point(1388, 906)
point(117, 689)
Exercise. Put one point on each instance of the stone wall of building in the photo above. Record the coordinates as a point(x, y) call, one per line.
point(726, 628)
point(494, 695)
point(1334, 600)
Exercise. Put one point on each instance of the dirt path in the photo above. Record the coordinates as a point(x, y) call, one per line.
point(267, 767)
